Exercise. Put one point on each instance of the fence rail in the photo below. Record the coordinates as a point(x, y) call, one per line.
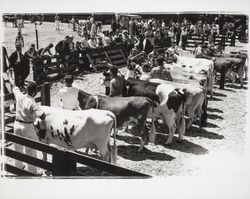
point(63, 161)
point(203, 39)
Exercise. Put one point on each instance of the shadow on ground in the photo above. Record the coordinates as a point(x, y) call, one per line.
point(196, 132)
point(183, 146)
point(214, 110)
point(131, 152)
point(214, 116)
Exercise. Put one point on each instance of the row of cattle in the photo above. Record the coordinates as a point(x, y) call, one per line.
point(175, 102)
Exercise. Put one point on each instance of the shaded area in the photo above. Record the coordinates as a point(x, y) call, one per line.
point(214, 99)
point(236, 86)
point(89, 171)
point(129, 139)
point(214, 117)
point(214, 110)
point(183, 146)
point(131, 153)
point(196, 132)
point(211, 125)
point(219, 94)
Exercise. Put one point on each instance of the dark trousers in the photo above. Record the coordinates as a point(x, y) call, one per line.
point(184, 42)
point(178, 37)
point(18, 72)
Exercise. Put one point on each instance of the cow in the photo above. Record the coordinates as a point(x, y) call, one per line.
point(198, 66)
point(226, 65)
point(195, 97)
point(126, 109)
point(76, 129)
point(170, 104)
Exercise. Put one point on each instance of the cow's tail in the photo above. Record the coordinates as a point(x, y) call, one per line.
point(114, 147)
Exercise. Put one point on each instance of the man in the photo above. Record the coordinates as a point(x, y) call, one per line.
point(147, 45)
point(92, 42)
point(26, 112)
point(15, 61)
point(57, 22)
point(63, 49)
point(19, 40)
point(160, 72)
point(45, 50)
point(31, 52)
point(116, 82)
point(69, 94)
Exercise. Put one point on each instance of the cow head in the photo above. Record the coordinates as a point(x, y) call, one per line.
point(40, 127)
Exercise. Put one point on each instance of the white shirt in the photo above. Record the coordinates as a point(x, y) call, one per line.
point(26, 107)
point(92, 43)
point(69, 97)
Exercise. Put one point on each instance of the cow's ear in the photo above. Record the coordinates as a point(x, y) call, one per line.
point(91, 103)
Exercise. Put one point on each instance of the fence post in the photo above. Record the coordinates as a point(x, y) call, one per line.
point(34, 70)
point(45, 94)
point(223, 42)
point(63, 165)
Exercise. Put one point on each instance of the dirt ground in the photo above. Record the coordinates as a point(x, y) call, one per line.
point(217, 149)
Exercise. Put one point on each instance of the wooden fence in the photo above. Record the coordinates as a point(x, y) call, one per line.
point(192, 39)
point(49, 69)
point(63, 161)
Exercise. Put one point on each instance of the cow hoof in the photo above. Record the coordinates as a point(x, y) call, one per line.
point(168, 143)
point(178, 141)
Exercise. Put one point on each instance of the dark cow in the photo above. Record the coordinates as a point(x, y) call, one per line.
point(170, 103)
point(126, 109)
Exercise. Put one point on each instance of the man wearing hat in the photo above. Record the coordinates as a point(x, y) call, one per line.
point(15, 62)
point(160, 72)
point(63, 49)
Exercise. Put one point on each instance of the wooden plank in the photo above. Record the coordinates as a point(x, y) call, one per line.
point(9, 97)
point(14, 170)
point(30, 143)
point(117, 56)
point(103, 166)
point(118, 61)
point(9, 119)
point(115, 51)
point(28, 159)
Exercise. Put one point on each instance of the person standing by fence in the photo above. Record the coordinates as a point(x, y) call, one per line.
point(27, 110)
point(15, 61)
point(57, 22)
point(19, 40)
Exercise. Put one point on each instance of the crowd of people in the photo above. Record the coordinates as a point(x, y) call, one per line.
point(144, 61)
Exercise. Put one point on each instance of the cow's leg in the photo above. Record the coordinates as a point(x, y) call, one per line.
point(190, 114)
point(222, 77)
point(152, 131)
point(144, 137)
point(199, 112)
point(182, 129)
point(171, 134)
point(240, 74)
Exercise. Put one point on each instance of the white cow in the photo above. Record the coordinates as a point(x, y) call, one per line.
point(197, 65)
point(77, 129)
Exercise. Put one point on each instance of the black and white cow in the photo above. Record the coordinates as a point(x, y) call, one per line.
point(78, 129)
point(170, 104)
point(195, 96)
